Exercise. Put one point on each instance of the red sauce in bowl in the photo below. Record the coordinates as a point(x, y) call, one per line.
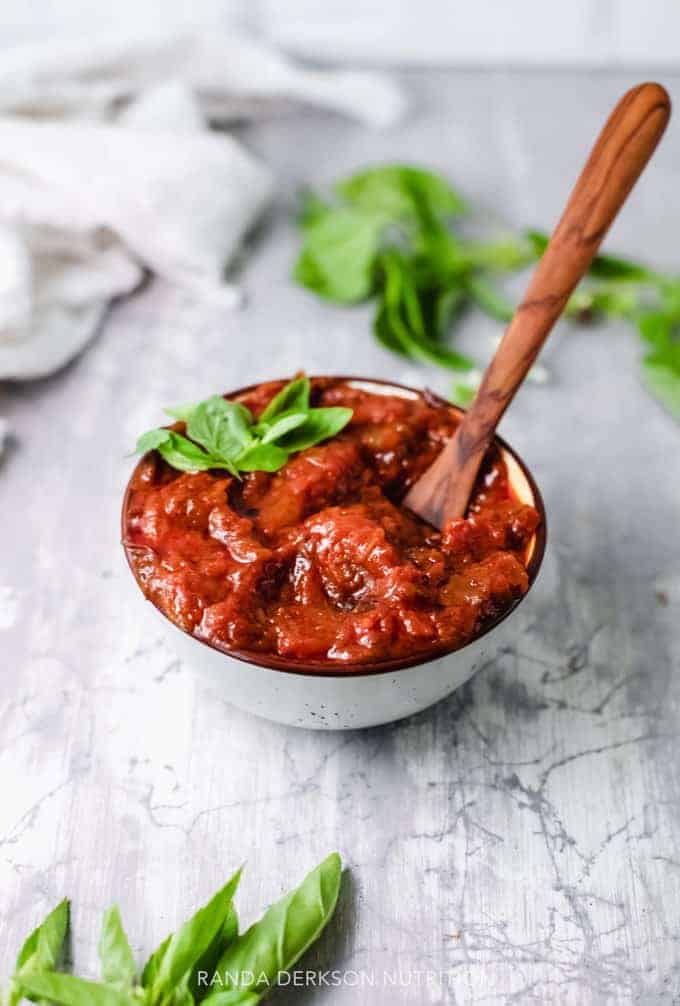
point(318, 561)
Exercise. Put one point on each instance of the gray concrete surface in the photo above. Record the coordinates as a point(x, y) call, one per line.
point(520, 840)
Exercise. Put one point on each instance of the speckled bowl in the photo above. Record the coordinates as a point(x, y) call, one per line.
point(344, 697)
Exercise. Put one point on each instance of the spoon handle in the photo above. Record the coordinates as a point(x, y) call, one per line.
point(621, 152)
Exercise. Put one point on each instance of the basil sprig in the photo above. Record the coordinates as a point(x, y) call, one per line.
point(224, 434)
point(392, 233)
point(204, 961)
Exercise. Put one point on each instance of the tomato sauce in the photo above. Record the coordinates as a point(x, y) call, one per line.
point(319, 561)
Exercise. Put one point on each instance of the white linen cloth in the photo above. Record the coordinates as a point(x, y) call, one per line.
point(107, 169)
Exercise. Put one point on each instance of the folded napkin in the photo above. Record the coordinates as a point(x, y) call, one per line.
point(108, 169)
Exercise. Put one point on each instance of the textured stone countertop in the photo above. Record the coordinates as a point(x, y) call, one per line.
point(522, 838)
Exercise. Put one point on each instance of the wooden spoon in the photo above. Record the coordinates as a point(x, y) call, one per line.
point(622, 150)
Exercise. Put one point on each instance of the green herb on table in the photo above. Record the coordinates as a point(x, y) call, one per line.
point(393, 233)
point(224, 434)
point(205, 961)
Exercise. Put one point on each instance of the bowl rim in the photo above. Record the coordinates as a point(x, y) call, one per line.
point(321, 669)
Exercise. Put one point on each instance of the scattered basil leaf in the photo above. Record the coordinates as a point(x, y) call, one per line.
point(273, 945)
point(462, 395)
point(491, 301)
point(181, 995)
point(311, 208)
point(338, 256)
point(176, 973)
point(118, 963)
point(401, 190)
point(602, 266)
point(441, 308)
point(391, 232)
point(661, 376)
point(42, 950)
point(192, 940)
point(46, 942)
point(207, 964)
point(152, 966)
point(656, 327)
point(67, 990)
point(401, 320)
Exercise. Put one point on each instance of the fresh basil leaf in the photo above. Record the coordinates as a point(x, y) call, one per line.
point(42, 950)
point(273, 945)
point(205, 968)
point(319, 425)
point(491, 301)
point(656, 327)
point(152, 440)
point(400, 190)
point(311, 208)
point(179, 452)
point(152, 966)
point(662, 380)
point(118, 963)
point(384, 333)
point(293, 398)
point(338, 255)
point(222, 427)
point(67, 990)
point(192, 940)
point(463, 395)
point(184, 455)
point(446, 306)
point(508, 255)
point(183, 412)
point(46, 942)
point(181, 995)
point(282, 426)
point(661, 366)
point(399, 292)
point(263, 458)
point(611, 267)
point(602, 266)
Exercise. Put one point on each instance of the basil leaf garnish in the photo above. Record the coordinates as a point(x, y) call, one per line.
point(320, 424)
point(281, 426)
point(222, 427)
point(152, 440)
point(293, 398)
point(263, 458)
point(183, 412)
point(224, 434)
point(185, 455)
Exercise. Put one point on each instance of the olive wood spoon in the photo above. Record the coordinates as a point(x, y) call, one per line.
point(622, 150)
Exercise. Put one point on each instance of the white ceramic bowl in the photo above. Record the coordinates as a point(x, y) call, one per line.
point(304, 694)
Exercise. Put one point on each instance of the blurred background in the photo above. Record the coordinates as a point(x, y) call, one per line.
point(537, 859)
point(582, 33)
